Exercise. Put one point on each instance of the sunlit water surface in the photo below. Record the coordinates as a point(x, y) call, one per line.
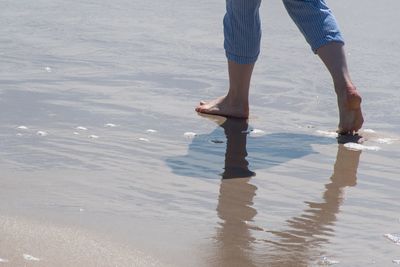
point(99, 143)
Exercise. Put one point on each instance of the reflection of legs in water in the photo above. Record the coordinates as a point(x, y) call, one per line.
point(236, 165)
point(309, 231)
point(301, 243)
point(235, 209)
point(235, 199)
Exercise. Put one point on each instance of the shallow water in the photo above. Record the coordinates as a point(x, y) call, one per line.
point(99, 143)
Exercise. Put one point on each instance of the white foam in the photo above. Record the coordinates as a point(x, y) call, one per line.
point(110, 125)
point(327, 133)
point(325, 261)
point(385, 141)
point(257, 133)
point(93, 136)
point(81, 210)
point(144, 139)
point(254, 132)
point(368, 131)
point(42, 133)
point(81, 128)
point(359, 147)
point(396, 261)
point(19, 134)
point(22, 127)
point(30, 257)
point(189, 134)
point(76, 133)
point(395, 238)
point(3, 260)
point(151, 131)
point(48, 69)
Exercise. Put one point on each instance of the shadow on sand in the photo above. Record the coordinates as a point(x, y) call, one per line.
point(206, 153)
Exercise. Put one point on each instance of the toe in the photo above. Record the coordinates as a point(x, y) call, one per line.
point(200, 109)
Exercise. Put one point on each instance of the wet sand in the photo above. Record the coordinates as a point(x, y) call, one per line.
point(62, 246)
point(105, 163)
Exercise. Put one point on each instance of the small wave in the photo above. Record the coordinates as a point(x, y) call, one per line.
point(359, 147)
point(42, 133)
point(327, 133)
point(30, 257)
point(395, 238)
point(385, 140)
point(189, 135)
point(22, 127)
point(257, 133)
point(325, 261)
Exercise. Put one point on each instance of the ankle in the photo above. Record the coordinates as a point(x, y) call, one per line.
point(345, 88)
point(237, 99)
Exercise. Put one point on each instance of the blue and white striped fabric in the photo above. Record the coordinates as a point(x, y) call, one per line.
point(242, 27)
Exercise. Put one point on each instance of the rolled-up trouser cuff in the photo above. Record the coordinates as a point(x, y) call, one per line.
point(242, 31)
point(240, 59)
point(315, 21)
point(317, 45)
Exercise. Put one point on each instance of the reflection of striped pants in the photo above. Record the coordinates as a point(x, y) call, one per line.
point(243, 32)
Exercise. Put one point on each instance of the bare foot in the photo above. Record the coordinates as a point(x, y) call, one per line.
point(351, 118)
point(223, 106)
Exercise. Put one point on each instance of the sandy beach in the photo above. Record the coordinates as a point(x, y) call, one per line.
point(104, 162)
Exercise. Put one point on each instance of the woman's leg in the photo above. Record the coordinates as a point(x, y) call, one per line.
point(318, 25)
point(242, 32)
point(349, 100)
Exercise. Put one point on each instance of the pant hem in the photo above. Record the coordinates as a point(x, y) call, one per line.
point(324, 42)
point(241, 59)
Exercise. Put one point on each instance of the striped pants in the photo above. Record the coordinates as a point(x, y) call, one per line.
point(242, 29)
